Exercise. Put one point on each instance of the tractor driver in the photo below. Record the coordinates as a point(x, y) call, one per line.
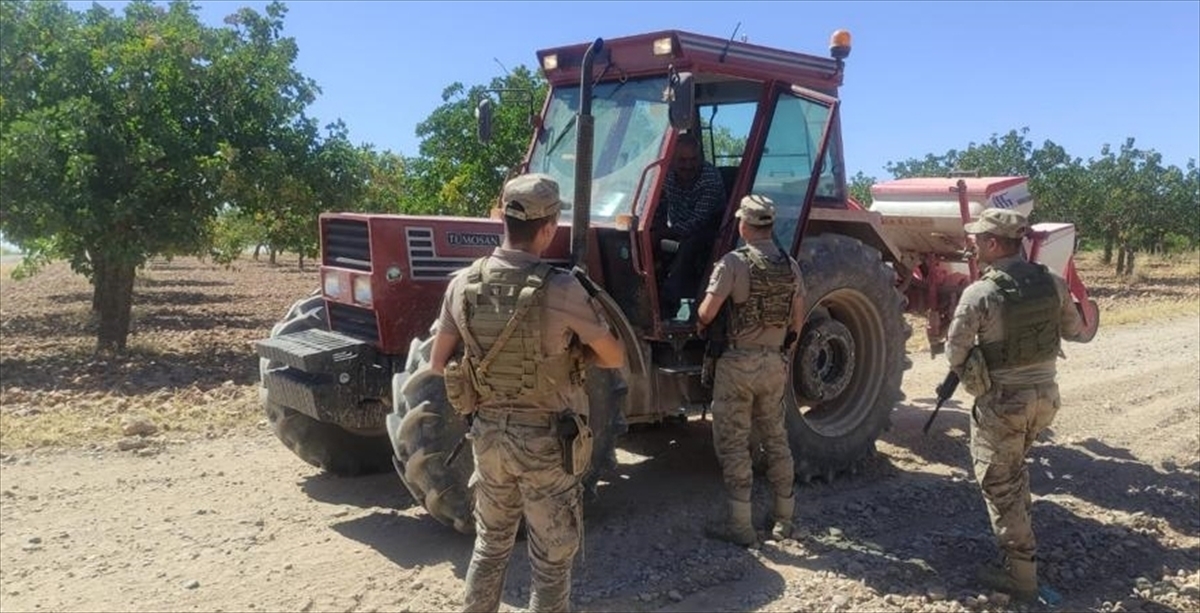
point(689, 214)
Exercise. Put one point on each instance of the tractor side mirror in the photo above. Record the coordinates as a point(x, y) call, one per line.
point(681, 100)
point(483, 120)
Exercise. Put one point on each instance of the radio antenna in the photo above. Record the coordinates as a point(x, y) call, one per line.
point(502, 67)
point(724, 51)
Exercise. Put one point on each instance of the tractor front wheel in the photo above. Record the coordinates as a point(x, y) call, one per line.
point(424, 430)
point(848, 364)
point(327, 446)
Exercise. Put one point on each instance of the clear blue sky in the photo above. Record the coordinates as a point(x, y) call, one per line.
point(923, 77)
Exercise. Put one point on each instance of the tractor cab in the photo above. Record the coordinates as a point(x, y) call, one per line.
point(766, 119)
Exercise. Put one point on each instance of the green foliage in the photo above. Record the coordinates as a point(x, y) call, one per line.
point(859, 187)
point(233, 232)
point(117, 133)
point(726, 148)
point(384, 188)
point(455, 173)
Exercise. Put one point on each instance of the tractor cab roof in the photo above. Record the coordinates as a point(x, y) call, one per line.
point(658, 52)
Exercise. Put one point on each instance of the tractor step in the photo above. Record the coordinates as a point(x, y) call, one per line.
point(316, 351)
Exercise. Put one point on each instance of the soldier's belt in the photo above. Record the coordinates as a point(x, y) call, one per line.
point(520, 417)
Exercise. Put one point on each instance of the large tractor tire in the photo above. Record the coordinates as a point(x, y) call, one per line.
point(327, 446)
point(424, 430)
point(847, 367)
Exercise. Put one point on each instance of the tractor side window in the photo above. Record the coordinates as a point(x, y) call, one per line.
point(725, 128)
point(788, 159)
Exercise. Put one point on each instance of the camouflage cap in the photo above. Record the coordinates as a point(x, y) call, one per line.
point(531, 196)
point(1005, 223)
point(757, 210)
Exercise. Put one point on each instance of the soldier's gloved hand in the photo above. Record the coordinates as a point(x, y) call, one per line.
point(948, 386)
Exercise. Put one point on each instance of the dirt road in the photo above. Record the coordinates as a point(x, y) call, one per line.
point(238, 523)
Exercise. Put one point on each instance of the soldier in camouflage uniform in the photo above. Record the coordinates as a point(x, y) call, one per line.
point(765, 294)
point(526, 332)
point(1012, 318)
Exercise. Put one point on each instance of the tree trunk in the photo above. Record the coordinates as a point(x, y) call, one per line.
point(271, 251)
point(1129, 262)
point(113, 294)
point(301, 261)
point(98, 280)
point(1108, 249)
point(257, 248)
point(1120, 260)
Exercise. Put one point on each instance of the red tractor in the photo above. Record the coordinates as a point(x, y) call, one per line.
point(344, 378)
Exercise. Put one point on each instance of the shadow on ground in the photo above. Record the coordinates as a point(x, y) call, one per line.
point(896, 528)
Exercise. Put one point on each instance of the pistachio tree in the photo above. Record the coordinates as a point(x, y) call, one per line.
point(116, 130)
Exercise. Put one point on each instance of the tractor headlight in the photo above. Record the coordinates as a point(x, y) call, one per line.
point(362, 290)
point(329, 281)
point(664, 46)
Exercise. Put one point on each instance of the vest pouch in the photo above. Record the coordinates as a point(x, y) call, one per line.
point(459, 390)
point(581, 452)
point(576, 438)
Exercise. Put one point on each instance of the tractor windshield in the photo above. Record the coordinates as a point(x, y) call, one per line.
point(630, 125)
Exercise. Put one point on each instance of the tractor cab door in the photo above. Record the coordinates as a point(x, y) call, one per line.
point(793, 158)
point(783, 156)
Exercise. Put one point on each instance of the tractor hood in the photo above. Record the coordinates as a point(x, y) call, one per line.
point(383, 276)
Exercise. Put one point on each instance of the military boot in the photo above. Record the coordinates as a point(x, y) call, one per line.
point(785, 508)
point(737, 529)
point(1017, 578)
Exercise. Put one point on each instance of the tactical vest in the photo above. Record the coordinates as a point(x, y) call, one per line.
point(1030, 312)
point(772, 286)
point(503, 309)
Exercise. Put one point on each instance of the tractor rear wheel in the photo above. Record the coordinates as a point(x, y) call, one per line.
point(327, 446)
point(848, 364)
point(424, 430)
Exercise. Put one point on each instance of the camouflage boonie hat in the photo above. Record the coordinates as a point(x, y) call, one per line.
point(1005, 223)
point(531, 196)
point(757, 210)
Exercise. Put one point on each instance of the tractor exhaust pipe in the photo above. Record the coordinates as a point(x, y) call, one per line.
point(585, 128)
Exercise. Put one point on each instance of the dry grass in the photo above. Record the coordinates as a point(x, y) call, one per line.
point(1160, 287)
point(57, 419)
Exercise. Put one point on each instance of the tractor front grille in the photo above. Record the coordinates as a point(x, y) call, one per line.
point(347, 244)
point(353, 321)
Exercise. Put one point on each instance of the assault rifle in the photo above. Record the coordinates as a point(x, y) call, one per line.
point(944, 392)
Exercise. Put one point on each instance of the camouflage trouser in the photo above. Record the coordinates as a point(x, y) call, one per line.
point(1005, 422)
point(518, 470)
point(748, 393)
